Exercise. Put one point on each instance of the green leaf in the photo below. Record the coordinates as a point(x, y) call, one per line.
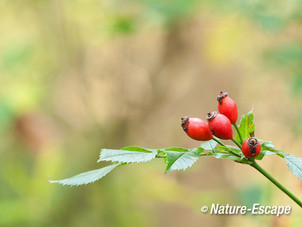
point(267, 148)
point(246, 126)
point(227, 148)
point(225, 155)
point(87, 177)
point(128, 155)
point(294, 164)
point(222, 152)
point(266, 152)
point(181, 160)
point(268, 145)
point(199, 150)
point(263, 153)
point(179, 149)
point(209, 145)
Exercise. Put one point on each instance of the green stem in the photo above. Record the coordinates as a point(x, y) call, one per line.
point(218, 141)
point(237, 129)
point(222, 144)
point(275, 182)
point(237, 143)
point(279, 154)
point(160, 156)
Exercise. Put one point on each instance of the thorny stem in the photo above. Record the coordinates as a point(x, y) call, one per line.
point(275, 182)
point(237, 129)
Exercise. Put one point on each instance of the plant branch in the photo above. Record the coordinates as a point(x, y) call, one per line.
point(237, 143)
point(222, 144)
point(275, 182)
point(218, 141)
point(279, 154)
point(160, 156)
point(237, 129)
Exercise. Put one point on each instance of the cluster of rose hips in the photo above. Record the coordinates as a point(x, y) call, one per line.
point(220, 125)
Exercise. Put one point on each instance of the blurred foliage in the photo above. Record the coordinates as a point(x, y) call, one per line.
point(69, 86)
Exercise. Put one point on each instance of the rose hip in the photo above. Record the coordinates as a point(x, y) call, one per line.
point(227, 107)
point(220, 125)
point(196, 128)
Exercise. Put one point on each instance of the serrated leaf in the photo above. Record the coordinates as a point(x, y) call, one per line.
point(246, 126)
point(87, 177)
point(128, 155)
point(209, 145)
point(179, 160)
point(294, 164)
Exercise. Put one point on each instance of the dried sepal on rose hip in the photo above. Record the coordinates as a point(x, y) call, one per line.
point(220, 125)
point(251, 148)
point(196, 128)
point(227, 107)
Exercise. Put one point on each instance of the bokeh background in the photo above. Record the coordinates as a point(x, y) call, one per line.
point(77, 76)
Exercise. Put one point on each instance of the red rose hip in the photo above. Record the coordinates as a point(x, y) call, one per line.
point(251, 148)
point(220, 125)
point(196, 128)
point(227, 107)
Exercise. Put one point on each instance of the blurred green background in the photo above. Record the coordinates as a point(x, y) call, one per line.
point(77, 76)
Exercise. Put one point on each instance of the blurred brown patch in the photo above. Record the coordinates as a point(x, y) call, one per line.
point(37, 131)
